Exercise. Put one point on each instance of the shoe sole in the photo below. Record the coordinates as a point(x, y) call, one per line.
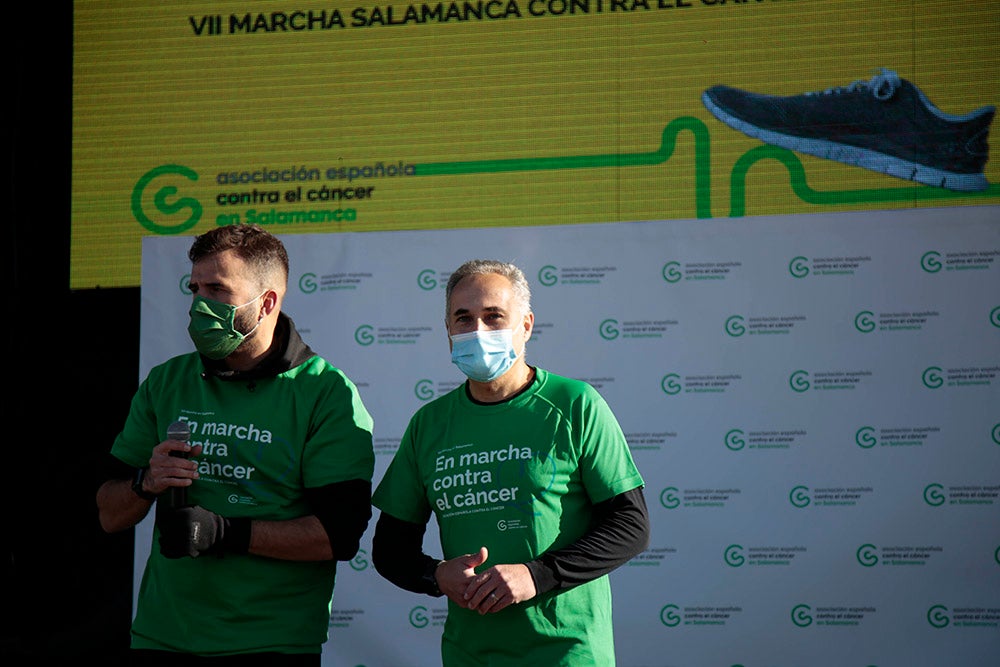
point(854, 155)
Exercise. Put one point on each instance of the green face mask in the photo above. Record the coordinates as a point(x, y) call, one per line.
point(212, 328)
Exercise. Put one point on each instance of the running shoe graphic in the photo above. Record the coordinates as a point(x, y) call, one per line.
point(886, 124)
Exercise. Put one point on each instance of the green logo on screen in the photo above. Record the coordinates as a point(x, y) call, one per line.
point(169, 213)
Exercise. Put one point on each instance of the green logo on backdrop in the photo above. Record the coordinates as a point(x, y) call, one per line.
point(864, 321)
point(734, 326)
point(670, 385)
point(418, 617)
point(995, 317)
point(799, 267)
point(424, 390)
point(307, 283)
point(671, 272)
point(867, 555)
point(799, 496)
point(360, 562)
point(165, 201)
point(996, 433)
point(185, 281)
point(865, 437)
point(931, 377)
point(938, 617)
point(426, 280)
point(733, 555)
point(669, 616)
point(934, 495)
point(799, 381)
point(734, 440)
point(609, 329)
point(931, 261)
point(548, 276)
point(801, 616)
point(363, 335)
point(669, 499)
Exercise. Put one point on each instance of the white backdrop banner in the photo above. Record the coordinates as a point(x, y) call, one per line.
point(813, 401)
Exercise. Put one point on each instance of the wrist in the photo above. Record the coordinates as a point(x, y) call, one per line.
point(139, 485)
point(237, 535)
point(429, 578)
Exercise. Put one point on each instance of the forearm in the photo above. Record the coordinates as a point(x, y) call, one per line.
point(301, 539)
point(619, 534)
point(118, 507)
point(397, 553)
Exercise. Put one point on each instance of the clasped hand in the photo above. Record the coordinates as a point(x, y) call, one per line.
point(489, 591)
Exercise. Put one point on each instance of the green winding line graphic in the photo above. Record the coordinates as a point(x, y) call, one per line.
point(797, 177)
point(702, 188)
point(702, 176)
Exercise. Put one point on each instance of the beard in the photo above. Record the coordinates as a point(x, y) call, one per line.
point(244, 321)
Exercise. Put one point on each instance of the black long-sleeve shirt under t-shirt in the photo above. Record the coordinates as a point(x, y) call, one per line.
point(619, 531)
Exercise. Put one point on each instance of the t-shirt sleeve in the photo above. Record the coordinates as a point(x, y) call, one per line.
point(401, 492)
point(138, 436)
point(606, 464)
point(339, 442)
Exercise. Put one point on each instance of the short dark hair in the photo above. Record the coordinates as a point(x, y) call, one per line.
point(261, 250)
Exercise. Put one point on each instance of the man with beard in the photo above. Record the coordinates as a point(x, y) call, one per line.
point(271, 488)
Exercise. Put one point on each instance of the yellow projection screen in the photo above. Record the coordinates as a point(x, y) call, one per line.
point(348, 117)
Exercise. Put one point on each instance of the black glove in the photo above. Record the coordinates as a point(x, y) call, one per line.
point(195, 531)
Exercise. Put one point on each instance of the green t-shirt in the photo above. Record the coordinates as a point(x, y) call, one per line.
point(264, 442)
point(521, 478)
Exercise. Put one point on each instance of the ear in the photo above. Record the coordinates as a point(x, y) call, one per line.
point(529, 326)
point(269, 302)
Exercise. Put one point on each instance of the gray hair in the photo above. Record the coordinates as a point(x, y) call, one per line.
point(479, 267)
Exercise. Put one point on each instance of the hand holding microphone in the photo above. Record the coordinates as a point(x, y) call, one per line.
point(181, 432)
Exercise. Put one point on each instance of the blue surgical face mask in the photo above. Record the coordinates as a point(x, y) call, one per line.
point(484, 355)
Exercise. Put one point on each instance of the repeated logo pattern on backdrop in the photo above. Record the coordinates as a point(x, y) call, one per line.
point(817, 418)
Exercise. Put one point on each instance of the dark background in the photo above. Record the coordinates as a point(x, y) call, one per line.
point(73, 366)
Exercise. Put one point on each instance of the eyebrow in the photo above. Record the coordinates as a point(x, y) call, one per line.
point(466, 311)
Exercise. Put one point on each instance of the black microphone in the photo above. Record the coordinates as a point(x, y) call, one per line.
point(181, 432)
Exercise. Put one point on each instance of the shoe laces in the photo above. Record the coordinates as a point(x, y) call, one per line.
point(882, 85)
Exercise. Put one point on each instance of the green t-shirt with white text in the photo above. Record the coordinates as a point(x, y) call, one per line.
point(263, 442)
point(521, 478)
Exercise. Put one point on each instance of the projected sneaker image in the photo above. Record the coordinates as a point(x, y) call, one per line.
point(886, 124)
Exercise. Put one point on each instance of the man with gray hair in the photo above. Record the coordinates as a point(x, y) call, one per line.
point(534, 489)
